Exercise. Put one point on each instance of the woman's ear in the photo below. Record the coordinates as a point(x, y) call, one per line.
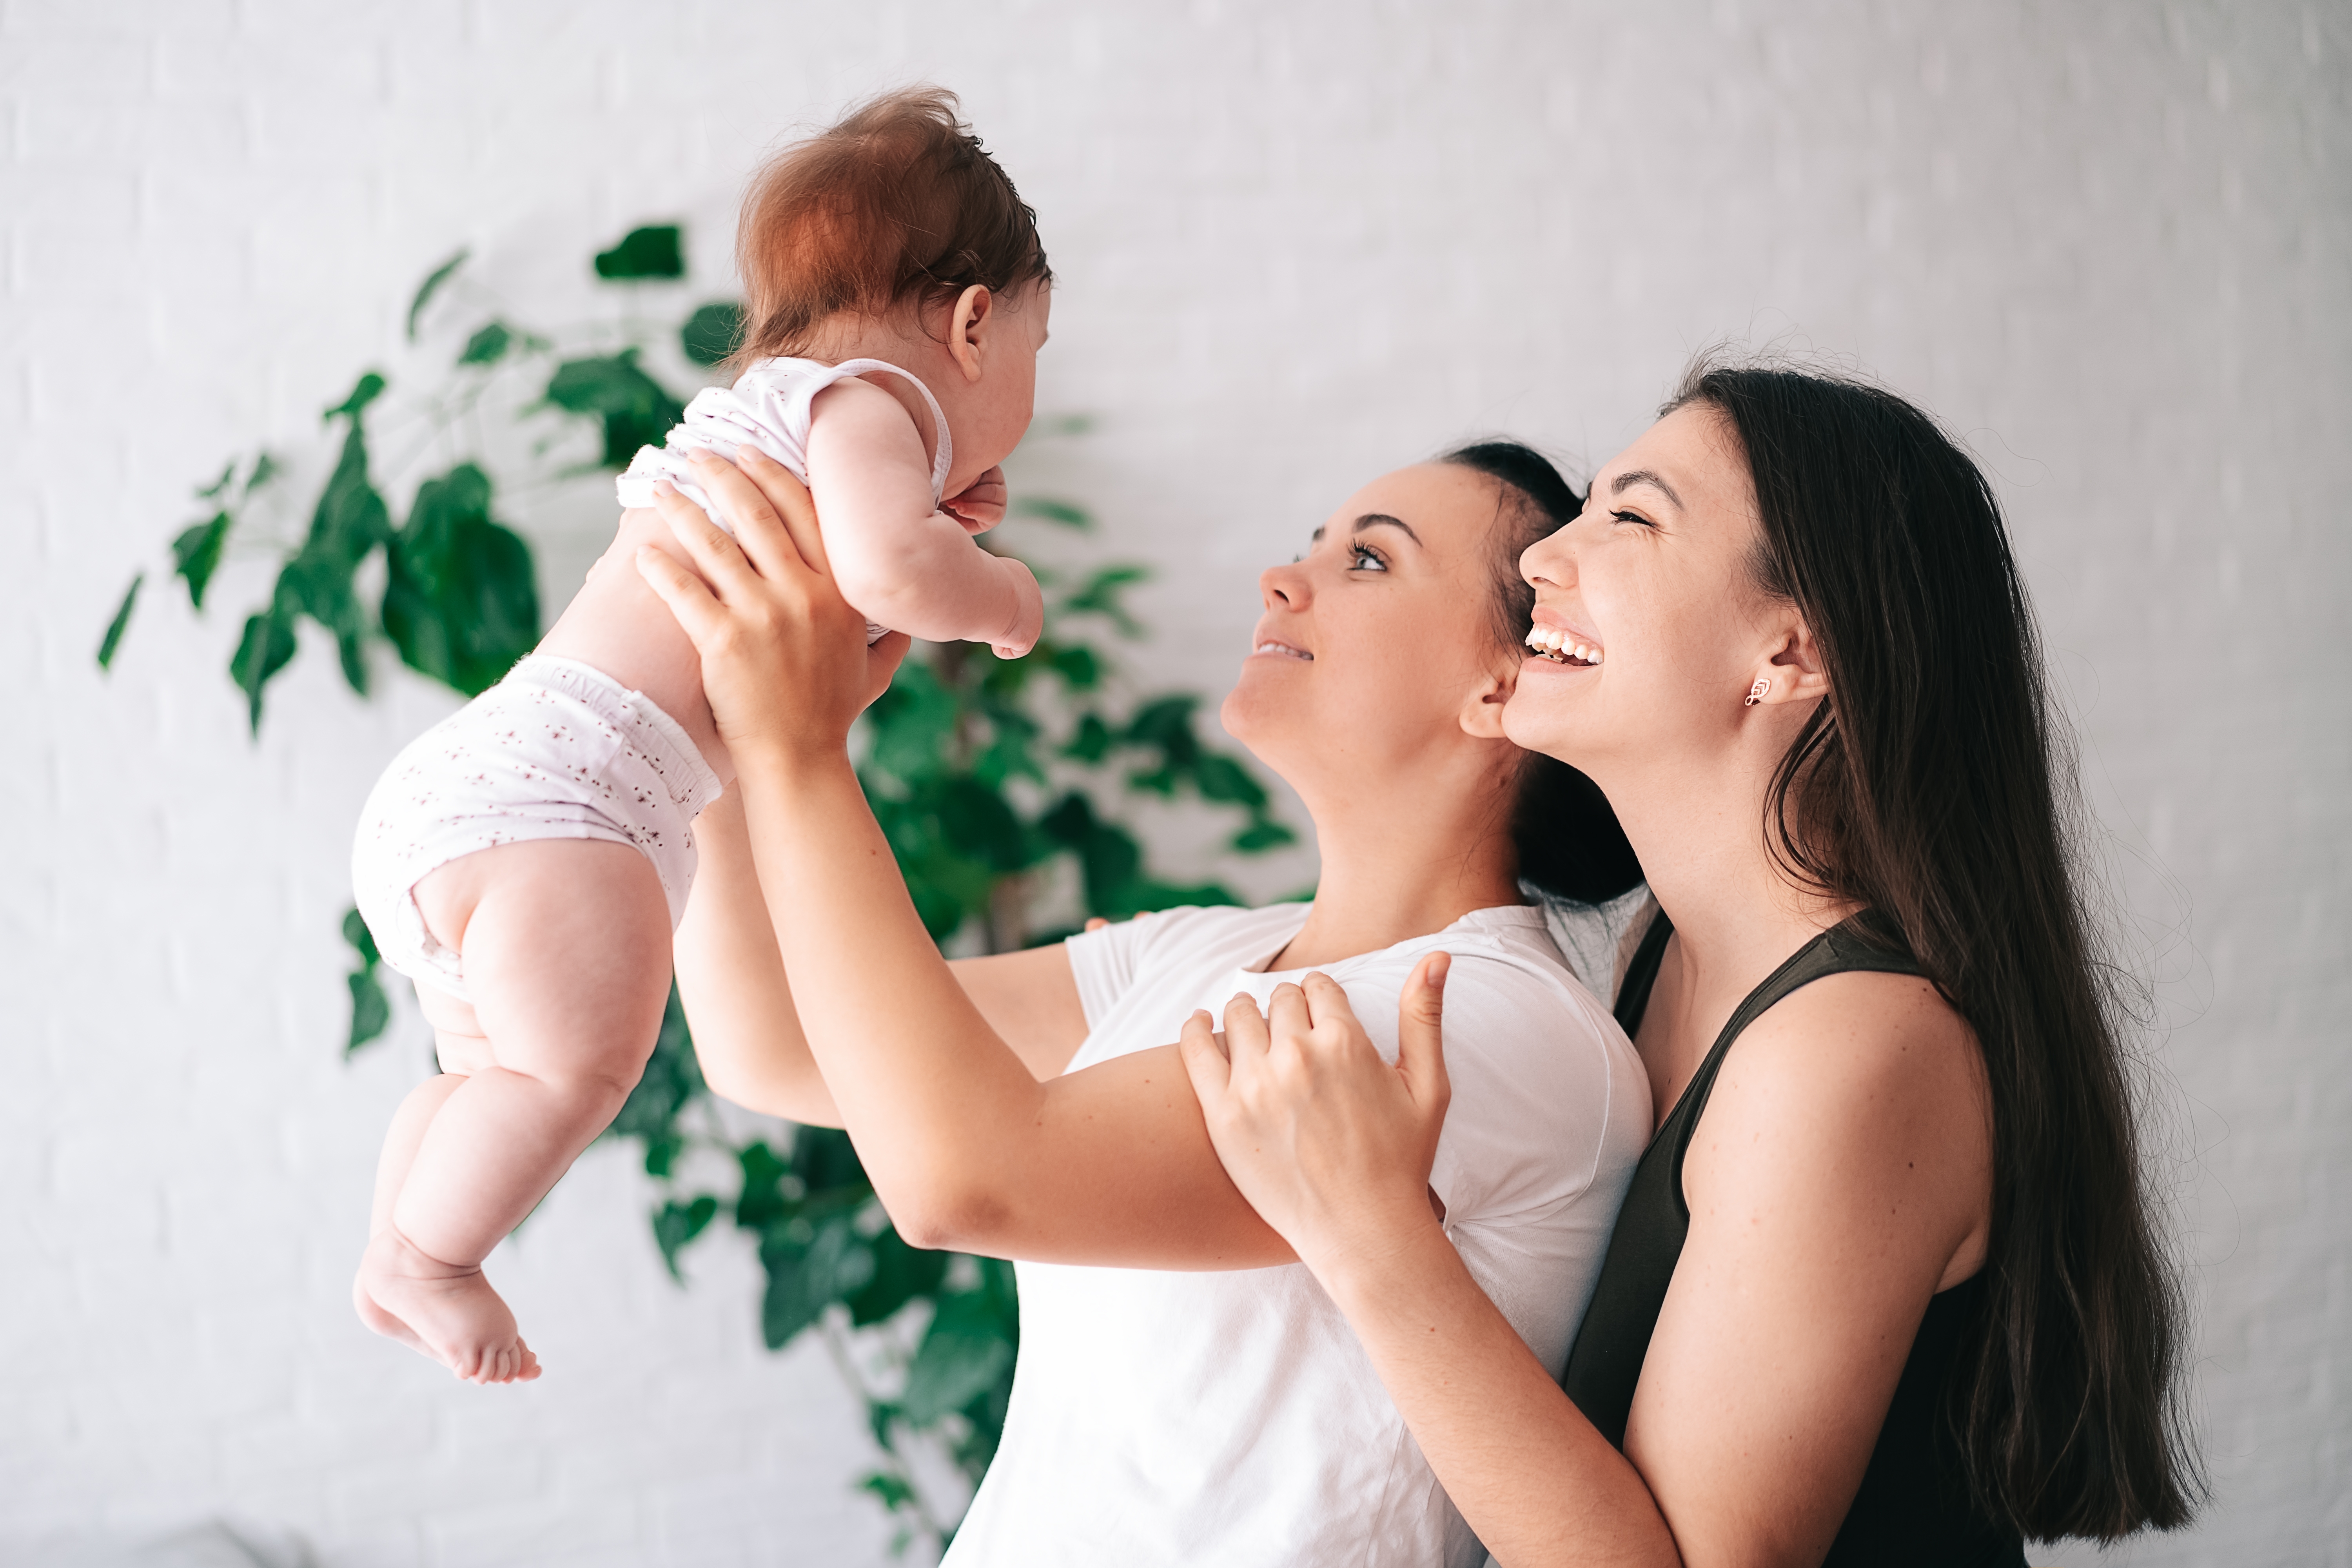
point(1795, 672)
point(1482, 715)
point(971, 327)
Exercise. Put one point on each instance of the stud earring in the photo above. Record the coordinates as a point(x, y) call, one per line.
point(1756, 693)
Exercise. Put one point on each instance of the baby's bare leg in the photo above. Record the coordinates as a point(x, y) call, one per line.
point(566, 950)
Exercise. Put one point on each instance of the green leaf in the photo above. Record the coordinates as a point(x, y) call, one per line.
point(892, 1489)
point(366, 391)
point(1260, 835)
point(371, 1009)
point(196, 554)
point(764, 1203)
point(265, 649)
point(1078, 666)
point(120, 624)
point(636, 409)
point(361, 939)
point(488, 346)
point(966, 1350)
point(712, 333)
point(901, 1273)
point(675, 1223)
point(654, 251)
point(461, 595)
point(218, 485)
point(265, 469)
point(1052, 511)
point(979, 825)
point(670, 1081)
point(432, 284)
point(804, 1279)
point(349, 521)
point(1103, 594)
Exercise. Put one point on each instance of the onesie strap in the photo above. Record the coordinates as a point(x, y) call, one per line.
point(945, 457)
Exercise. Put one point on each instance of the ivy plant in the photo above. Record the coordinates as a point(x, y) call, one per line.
point(999, 784)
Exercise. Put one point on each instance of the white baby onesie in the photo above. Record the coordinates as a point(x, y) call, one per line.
point(767, 407)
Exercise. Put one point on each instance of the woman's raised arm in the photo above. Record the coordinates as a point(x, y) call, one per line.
point(966, 1147)
point(739, 1000)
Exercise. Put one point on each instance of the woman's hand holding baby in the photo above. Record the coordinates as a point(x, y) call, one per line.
point(1330, 1144)
point(785, 663)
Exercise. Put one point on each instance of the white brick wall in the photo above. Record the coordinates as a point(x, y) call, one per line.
point(1300, 242)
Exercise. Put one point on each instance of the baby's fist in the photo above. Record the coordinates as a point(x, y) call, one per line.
point(1028, 623)
point(981, 506)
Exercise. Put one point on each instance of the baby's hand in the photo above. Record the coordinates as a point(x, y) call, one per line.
point(979, 507)
point(1029, 611)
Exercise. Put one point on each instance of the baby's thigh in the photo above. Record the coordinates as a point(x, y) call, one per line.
point(565, 943)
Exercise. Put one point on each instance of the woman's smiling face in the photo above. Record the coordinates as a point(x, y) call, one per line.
point(1652, 583)
point(1377, 641)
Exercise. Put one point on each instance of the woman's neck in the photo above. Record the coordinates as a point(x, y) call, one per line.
point(1699, 832)
point(1390, 875)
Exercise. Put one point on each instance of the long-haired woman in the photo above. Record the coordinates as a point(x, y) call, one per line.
point(1887, 1287)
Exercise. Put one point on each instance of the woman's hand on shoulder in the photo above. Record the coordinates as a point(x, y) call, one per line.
point(785, 665)
point(1330, 1143)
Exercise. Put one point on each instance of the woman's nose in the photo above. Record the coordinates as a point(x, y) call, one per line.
point(1283, 585)
point(1550, 562)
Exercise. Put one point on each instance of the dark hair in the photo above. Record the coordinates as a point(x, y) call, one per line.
point(897, 202)
point(1924, 788)
point(1568, 840)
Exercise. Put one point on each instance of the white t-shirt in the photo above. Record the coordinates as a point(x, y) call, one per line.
point(1233, 1418)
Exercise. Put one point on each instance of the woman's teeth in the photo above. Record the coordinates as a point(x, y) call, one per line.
point(1286, 651)
point(1551, 643)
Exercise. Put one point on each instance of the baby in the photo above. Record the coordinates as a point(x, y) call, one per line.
point(527, 860)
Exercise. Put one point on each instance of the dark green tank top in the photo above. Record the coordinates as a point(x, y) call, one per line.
point(1913, 1506)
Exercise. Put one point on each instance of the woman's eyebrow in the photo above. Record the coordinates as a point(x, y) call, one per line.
point(1382, 519)
point(1632, 477)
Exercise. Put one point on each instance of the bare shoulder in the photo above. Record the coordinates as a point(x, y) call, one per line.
point(1860, 1097)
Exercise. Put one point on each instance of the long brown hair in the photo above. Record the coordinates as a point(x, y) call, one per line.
point(1924, 788)
point(897, 202)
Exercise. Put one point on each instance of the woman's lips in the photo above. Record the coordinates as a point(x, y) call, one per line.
point(1282, 650)
point(1561, 646)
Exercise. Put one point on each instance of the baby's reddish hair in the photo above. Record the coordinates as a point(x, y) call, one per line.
point(898, 202)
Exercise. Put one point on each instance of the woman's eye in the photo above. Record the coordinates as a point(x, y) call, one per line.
point(1367, 559)
point(1633, 517)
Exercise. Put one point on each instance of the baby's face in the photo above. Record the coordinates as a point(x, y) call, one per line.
point(1004, 399)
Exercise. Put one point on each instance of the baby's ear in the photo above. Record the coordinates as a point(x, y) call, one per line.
point(972, 329)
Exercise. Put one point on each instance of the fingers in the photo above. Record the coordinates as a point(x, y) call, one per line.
point(706, 546)
point(689, 599)
point(789, 507)
point(1286, 1014)
point(1204, 1063)
point(1246, 1040)
point(758, 536)
point(1327, 1003)
point(1421, 1034)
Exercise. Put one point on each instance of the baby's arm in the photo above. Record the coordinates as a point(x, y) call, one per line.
point(903, 562)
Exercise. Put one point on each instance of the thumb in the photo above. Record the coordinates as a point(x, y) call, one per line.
point(1421, 1035)
point(1204, 1064)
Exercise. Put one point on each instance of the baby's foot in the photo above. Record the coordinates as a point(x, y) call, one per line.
point(442, 1310)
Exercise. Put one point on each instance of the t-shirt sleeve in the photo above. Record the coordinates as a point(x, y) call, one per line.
point(1104, 963)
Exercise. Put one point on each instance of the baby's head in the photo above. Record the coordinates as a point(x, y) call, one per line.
point(895, 228)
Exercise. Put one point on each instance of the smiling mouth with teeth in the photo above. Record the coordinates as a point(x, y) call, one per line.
point(1562, 647)
point(1284, 650)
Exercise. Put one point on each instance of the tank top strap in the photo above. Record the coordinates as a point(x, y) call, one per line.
point(1865, 942)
